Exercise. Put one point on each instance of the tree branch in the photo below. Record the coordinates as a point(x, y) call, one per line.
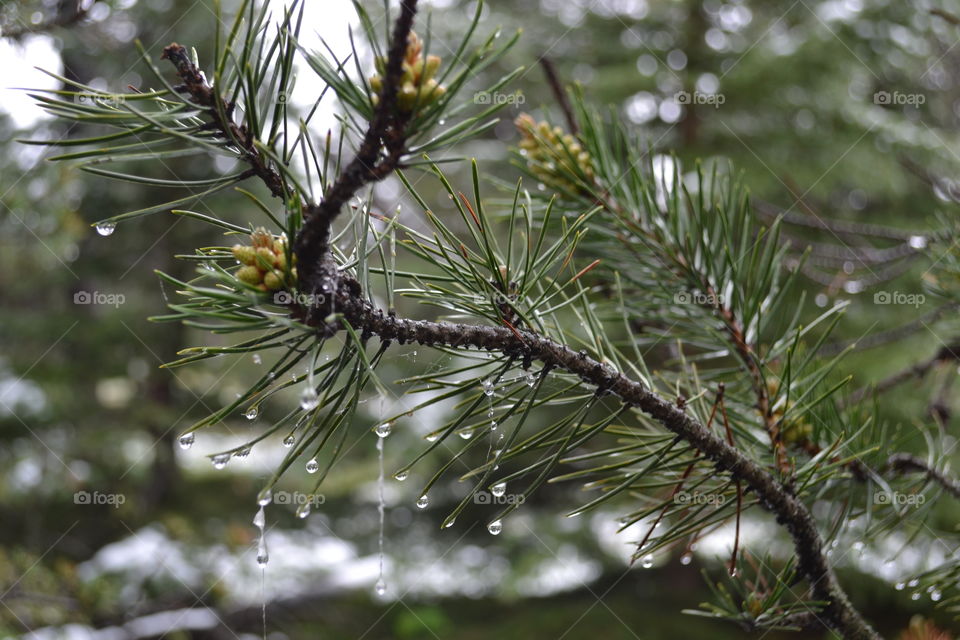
point(905, 463)
point(789, 510)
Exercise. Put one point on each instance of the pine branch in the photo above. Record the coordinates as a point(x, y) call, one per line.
point(220, 113)
point(386, 130)
point(905, 462)
point(525, 345)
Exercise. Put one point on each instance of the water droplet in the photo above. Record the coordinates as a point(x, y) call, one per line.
point(303, 510)
point(466, 434)
point(499, 489)
point(449, 523)
point(422, 502)
point(899, 586)
point(106, 228)
point(263, 557)
point(913, 582)
point(260, 520)
point(289, 440)
point(935, 595)
point(915, 595)
point(383, 430)
point(186, 440)
point(495, 527)
point(401, 475)
point(686, 559)
point(493, 425)
point(252, 413)
point(918, 242)
point(380, 587)
point(530, 379)
point(647, 561)
point(242, 453)
point(490, 413)
point(312, 465)
point(257, 359)
point(441, 122)
point(265, 497)
point(488, 387)
point(220, 460)
point(309, 399)
point(432, 437)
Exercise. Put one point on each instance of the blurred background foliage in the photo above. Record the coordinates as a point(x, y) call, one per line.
point(84, 407)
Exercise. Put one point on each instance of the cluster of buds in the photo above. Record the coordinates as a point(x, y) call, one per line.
point(418, 87)
point(555, 157)
point(264, 262)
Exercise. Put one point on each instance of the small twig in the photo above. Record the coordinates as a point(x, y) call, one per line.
point(945, 354)
point(904, 463)
point(559, 94)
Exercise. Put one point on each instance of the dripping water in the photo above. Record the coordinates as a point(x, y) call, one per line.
point(381, 586)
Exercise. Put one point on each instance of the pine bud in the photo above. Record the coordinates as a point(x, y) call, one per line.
point(249, 274)
point(417, 89)
point(243, 254)
point(272, 281)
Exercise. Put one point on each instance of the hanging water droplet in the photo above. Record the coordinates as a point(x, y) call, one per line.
point(312, 465)
point(530, 379)
point(220, 460)
point(935, 595)
point(686, 559)
point(899, 586)
point(915, 595)
point(466, 434)
point(441, 122)
point(422, 502)
point(263, 557)
point(106, 228)
point(289, 440)
point(383, 430)
point(490, 412)
point(257, 359)
point(488, 387)
point(913, 582)
point(260, 520)
point(495, 527)
point(493, 425)
point(309, 399)
point(432, 437)
point(449, 523)
point(380, 587)
point(401, 475)
point(265, 497)
point(242, 453)
point(499, 489)
point(252, 413)
point(303, 510)
point(647, 561)
point(186, 440)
